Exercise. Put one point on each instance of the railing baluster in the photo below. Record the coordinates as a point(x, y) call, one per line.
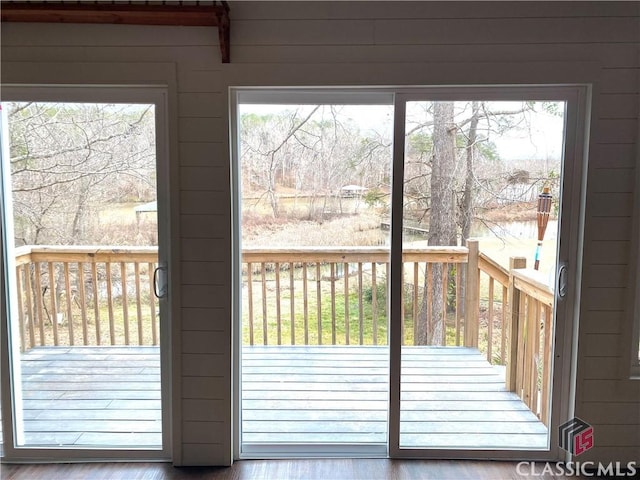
point(152, 305)
point(346, 304)
point(83, 304)
point(546, 365)
point(503, 332)
point(526, 369)
point(250, 300)
point(305, 300)
point(278, 316)
point(526, 365)
point(515, 310)
point(319, 301)
point(374, 303)
point(333, 303)
point(292, 303)
point(360, 304)
point(125, 302)
point(458, 299)
point(387, 303)
point(403, 340)
point(54, 308)
point(472, 296)
point(29, 295)
point(112, 333)
point(535, 356)
point(429, 293)
point(67, 287)
point(416, 308)
point(263, 278)
point(39, 301)
point(19, 293)
point(529, 352)
point(136, 272)
point(96, 301)
point(445, 298)
point(490, 322)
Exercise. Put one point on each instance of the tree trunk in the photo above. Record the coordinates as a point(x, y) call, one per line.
point(271, 188)
point(78, 225)
point(442, 226)
point(467, 198)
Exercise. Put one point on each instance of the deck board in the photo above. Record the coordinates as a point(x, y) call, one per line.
point(92, 396)
point(450, 398)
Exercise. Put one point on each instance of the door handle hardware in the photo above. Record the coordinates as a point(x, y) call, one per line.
point(562, 280)
point(160, 289)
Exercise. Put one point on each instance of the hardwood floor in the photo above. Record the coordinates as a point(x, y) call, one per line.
point(325, 469)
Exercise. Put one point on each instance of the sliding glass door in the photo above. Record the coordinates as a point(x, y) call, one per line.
point(84, 251)
point(404, 307)
point(478, 236)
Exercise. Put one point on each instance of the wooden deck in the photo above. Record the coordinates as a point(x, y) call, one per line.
point(451, 398)
point(92, 396)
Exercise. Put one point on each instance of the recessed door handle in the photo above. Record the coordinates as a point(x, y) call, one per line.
point(160, 281)
point(562, 280)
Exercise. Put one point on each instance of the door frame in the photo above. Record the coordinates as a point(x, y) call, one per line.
point(569, 249)
point(159, 97)
point(568, 253)
point(277, 96)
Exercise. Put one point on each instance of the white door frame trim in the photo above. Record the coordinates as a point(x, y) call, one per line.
point(569, 252)
point(159, 97)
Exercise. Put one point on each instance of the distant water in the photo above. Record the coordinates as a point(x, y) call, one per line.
point(520, 230)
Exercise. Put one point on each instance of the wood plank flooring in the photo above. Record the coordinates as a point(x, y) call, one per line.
point(317, 469)
point(451, 398)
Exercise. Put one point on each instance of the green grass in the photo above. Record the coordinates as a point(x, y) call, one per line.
point(109, 334)
point(333, 324)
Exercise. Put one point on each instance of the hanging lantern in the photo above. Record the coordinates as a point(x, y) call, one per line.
point(544, 207)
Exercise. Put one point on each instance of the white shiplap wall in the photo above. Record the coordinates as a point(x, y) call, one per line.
point(385, 43)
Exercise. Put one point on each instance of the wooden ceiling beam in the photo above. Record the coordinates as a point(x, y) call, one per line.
point(124, 14)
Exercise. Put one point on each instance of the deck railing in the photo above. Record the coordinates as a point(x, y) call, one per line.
point(304, 296)
point(493, 283)
point(530, 338)
point(86, 296)
point(313, 296)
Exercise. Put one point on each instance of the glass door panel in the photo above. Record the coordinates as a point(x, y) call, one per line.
point(473, 174)
point(85, 333)
point(314, 209)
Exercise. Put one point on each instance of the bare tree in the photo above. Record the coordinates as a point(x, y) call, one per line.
point(471, 151)
point(314, 150)
point(442, 226)
point(68, 161)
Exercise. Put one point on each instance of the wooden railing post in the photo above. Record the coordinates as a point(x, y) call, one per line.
point(472, 296)
point(513, 322)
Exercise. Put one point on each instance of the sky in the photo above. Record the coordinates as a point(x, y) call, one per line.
point(541, 137)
